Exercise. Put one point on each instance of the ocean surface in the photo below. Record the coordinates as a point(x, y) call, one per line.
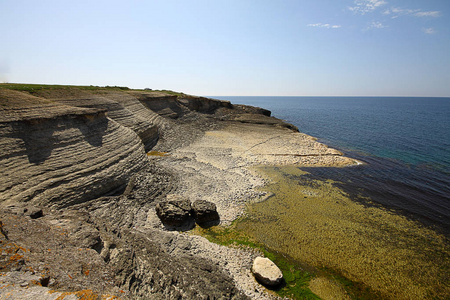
point(404, 142)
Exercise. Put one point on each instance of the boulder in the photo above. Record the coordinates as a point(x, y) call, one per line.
point(266, 272)
point(205, 212)
point(175, 211)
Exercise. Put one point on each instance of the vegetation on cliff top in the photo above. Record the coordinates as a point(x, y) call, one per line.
point(35, 88)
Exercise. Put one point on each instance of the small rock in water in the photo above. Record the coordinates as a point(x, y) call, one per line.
point(205, 212)
point(266, 272)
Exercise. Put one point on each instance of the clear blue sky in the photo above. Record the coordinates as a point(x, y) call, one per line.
point(214, 47)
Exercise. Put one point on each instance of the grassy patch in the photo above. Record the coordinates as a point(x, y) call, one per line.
point(36, 89)
point(296, 278)
point(169, 92)
point(33, 88)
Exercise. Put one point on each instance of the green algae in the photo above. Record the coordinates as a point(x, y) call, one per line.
point(330, 246)
point(370, 252)
point(296, 279)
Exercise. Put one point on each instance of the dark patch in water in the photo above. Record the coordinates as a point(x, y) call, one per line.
point(417, 193)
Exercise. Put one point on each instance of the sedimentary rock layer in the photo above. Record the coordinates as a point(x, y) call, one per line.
point(61, 155)
point(72, 151)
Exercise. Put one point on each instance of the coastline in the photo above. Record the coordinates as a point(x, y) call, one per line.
point(321, 220)
point(206, 149)
point(229, 153)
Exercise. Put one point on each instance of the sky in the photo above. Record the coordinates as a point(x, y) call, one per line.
point(232, 47)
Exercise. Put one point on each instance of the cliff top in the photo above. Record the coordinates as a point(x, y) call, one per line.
point(75, 90)
point(15, 105)
point(30, 101)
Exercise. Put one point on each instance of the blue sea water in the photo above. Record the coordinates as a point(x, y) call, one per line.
point(404, 141)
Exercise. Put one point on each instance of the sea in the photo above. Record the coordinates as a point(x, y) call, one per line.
point(404, 143)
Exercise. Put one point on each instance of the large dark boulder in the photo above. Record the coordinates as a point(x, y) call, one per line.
point(175, 211)
point(205, 212)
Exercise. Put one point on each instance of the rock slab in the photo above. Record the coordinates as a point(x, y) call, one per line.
point(266, 272)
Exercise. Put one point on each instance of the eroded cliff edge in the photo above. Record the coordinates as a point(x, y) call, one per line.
point(80, 154)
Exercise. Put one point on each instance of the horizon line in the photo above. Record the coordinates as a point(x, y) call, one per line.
point(328, 96)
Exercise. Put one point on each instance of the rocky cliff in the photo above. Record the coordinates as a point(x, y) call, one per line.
point(79, 187)
point(77, 156)
point(56, 154)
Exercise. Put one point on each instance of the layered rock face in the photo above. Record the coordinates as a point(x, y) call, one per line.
point(79, 154)
point(66, 152)
point(54, 154)
point(123, 108)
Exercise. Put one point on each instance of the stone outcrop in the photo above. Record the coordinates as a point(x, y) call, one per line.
point(55, 154)
point(163, 104)
point(202, 104)
point(175, 211)
point(266, 272)
point(205, 212)
point(123, 108)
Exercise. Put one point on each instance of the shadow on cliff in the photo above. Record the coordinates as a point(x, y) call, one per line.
point(93, 128)
point(37, 135)
point(40, 139)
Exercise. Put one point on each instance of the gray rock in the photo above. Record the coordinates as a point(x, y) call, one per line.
point(205, 212)
point(175, 212)
point(87, 237)
point(266, 272)
point(33, 212)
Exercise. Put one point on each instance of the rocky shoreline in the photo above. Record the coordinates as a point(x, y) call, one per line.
point(97, 162)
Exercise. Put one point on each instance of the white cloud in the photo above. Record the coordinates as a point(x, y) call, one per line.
point(433, 14)
point(366, 6)
point(320, 25)
point(396, 12)
point(429, 30)
point(376, 25)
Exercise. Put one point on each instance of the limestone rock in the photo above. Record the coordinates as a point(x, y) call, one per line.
point(33, 212)
point(61, 155)
point(205, 212)
point(87, 237)
point(123, 108)
point(174, 212)
point(202, 104)
point(266, 272)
